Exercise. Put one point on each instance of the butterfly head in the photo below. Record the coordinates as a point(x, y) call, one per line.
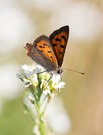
point(28, 48)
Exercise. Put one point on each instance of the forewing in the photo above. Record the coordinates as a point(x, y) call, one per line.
point(59, 39)
point(42, 53)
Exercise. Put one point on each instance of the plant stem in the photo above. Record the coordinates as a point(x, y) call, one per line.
point(41, 121)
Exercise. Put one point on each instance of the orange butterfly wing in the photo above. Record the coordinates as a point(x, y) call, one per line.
point(49, 52)
point(59, 39)
point(41, 52)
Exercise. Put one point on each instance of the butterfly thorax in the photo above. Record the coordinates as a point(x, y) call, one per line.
point(57, 71)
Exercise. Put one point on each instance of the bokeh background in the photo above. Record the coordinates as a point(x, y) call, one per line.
point(23, 21)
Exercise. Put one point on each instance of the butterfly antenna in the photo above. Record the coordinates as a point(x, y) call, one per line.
point(75, 71)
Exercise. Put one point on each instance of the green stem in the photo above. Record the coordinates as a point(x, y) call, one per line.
point(37, 92)
point(41, 121)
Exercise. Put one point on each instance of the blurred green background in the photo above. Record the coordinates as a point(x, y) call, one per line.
point(23, 21)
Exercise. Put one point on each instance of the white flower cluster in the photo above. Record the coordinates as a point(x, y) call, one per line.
point(34, 76)
point(42, 86)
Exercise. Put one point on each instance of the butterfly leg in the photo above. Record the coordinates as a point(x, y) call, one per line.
point(42, 72)
point(50, 78)
point(48, 81)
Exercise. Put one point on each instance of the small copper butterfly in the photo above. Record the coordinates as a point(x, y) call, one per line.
point(49, 51)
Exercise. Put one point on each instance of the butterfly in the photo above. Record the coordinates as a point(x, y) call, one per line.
point(49, 51)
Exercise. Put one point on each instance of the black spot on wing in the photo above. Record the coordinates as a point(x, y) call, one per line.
point(44, 44)
point(58, 39)
point(62, 46)
point(41, 46)
point(60, 53)
point(49, 51)
point(54, 44)
point(62, 29)
point(63, 37)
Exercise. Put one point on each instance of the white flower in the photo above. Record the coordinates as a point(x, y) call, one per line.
point(29, 75)
point(56, 82)
point(27, 82)
point(38, 69)
point(46, 92)
point(56, 78)
point(60, 85)
point(43, 88)
point(34, 80)
point(25, 70)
